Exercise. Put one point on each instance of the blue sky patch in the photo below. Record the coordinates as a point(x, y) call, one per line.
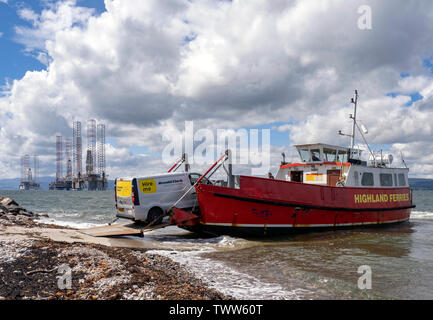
point(427, 63)
point(138, 149)
point(416, 96)
point(18, 61)
point(277, 138)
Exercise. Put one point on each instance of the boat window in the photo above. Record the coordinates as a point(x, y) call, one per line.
point(386, 179)
point(315, 155)
point(401, 180)
point(330, 155)
point(342, 156)
point(356, 154)
point(367, 179)
point(356, 175)
point(305, 155)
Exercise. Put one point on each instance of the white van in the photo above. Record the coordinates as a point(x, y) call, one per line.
point(146, 198)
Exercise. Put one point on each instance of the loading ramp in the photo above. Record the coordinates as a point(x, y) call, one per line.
point(117, 230)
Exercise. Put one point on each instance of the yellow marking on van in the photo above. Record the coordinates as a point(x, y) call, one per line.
point(123, 188)
point(147, 186)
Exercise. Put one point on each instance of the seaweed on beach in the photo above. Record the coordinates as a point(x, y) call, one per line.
point(98, 273)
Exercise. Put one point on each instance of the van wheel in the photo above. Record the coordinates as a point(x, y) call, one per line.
point(153, 214)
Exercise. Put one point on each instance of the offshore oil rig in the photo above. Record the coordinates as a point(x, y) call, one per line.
point(29, 178)
point(94, 178)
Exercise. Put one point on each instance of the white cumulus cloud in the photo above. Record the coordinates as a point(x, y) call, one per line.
point(145, 67)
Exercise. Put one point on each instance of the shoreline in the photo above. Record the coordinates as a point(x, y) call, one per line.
point(47, 262)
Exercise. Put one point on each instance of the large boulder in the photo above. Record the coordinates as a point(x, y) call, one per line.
point(9, 206)
point(6, 201)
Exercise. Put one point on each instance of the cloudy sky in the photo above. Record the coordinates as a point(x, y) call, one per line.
point(145, 67)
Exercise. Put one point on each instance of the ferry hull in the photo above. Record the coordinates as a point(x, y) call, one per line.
point(270, 207)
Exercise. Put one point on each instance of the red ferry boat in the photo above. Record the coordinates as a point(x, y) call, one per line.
point(329, 188)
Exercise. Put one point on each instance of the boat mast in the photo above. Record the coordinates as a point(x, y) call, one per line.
point(355, 102)
point(355, 125)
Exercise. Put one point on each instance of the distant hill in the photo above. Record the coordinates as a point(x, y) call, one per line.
point(421, 183)
point(13, 184)
point(9, 184)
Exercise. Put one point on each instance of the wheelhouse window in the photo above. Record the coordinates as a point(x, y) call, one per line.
point(386, 179)
point(305, 155)
point(356, 176)
point(401, 180)
point(315, 155)
point(355, 154)
point(330, 155)
point(342, 156)
point(367, 179)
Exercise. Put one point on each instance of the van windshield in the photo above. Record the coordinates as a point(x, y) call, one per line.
point(193, 177)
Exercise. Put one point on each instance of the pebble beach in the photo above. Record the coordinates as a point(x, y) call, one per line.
point(37, 258)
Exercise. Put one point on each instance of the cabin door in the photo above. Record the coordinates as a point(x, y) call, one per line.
point(333, 177)
point(297, 176)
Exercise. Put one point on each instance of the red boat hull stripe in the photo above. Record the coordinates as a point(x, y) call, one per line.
point(287, 204)
point(301, 225)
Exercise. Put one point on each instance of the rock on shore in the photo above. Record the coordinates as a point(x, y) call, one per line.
point(8, 207)
point(33, 266)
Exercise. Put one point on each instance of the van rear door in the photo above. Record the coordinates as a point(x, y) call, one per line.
point(123, 197)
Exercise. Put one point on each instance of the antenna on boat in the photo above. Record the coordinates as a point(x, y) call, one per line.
point(355, 125)
point(353, 117)
point(402, 159)
point(355, 102)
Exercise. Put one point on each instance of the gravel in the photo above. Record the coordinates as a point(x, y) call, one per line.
point(30, 268)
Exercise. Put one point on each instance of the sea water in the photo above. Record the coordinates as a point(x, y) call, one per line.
point(320, 265)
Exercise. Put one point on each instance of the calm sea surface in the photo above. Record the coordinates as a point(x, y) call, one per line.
point(320, 265)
